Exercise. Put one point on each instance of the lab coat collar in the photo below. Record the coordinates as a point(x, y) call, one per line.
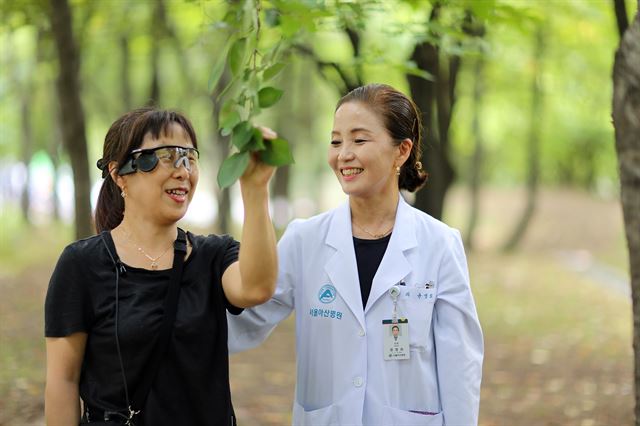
point(394, 266)
point(342, 268)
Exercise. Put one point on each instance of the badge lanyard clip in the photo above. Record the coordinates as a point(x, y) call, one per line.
point(394, 292)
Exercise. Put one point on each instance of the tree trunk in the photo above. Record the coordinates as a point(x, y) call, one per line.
point(221, 144)
point(73, 123)
point(293, 121)
point(125, 78)
point(53, 143)
point(626, 120)
point(423, 92)
point(435, 99)
point(154, 89)
point(533, 154)
point(224, 198)
point(157, 31)
point(281, 203)
point(52, 151)
point(26, 149)
point(622, 21)
point(478, 152)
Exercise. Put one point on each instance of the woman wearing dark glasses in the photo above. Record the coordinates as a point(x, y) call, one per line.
point(135, 317)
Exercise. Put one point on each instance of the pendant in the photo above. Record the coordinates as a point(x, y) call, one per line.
point(154, 265)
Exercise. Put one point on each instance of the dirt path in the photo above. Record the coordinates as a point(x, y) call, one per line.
point(574, 370)
point(263, 379)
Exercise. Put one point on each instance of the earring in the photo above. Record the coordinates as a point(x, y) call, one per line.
point(418, 165)
point(123, 194)
point(397, 170)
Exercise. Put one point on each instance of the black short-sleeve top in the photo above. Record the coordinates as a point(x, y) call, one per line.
point(192, 383)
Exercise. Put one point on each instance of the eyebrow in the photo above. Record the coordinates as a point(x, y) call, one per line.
point(354, 130)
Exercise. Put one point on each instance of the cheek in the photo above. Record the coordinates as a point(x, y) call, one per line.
point(193, 179)
point(332, 157)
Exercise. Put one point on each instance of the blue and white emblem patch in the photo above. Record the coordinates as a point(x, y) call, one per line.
point(327, 293)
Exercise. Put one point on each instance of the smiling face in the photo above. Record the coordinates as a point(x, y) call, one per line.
point(362, 153)
point(163, 194)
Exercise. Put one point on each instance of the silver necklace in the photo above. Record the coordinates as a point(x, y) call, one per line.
point(376, 236)
point(154, 260)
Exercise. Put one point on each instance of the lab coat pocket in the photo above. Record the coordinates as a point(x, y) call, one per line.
point(396, 417)
point(320, 417)
point(419, 313)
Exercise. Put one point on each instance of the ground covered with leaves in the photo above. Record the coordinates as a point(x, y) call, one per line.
point(557, 324)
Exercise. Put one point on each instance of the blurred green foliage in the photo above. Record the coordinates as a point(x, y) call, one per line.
point(116, 38)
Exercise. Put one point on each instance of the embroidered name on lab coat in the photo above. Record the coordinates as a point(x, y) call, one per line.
point(325, 313)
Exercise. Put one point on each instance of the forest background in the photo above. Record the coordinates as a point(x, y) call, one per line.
point(516, 97)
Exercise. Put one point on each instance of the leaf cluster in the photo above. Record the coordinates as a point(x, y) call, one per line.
point(249, 91)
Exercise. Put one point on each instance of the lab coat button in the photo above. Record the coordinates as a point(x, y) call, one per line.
point(357, 381)
point(361, 332)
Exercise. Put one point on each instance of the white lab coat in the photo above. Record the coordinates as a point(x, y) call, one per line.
point(342, 378)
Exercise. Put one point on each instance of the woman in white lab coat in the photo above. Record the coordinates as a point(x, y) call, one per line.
point(386, 327)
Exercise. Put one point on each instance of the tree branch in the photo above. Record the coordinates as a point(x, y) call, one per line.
point(622, 20)
point(354, 38)
point(347, 84)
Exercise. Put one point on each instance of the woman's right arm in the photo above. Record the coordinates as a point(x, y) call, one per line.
point(253, 325)
point(64, 363)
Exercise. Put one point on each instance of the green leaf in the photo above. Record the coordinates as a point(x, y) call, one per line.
point(253, 84)
point(241, 135)
point(268, 96)
point(216, 73)
point(229, 121)
point(277, 153)
point(273, 70)
point(218, 67)
point(272, 17)
point(236, 55)
point(232, 168)
point(229, 87)
point(256, 142)
point(272, 53)
point(255, 107)
point(410, 68)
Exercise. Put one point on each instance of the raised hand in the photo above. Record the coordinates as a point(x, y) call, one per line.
point(258, 173)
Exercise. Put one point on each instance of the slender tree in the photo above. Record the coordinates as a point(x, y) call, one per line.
point(626, 121)
point(478, 151)
point(533, 145)
point(156, 22)
point(26, 144)
point(72, 112)
point(125, 75)
point(221, 145)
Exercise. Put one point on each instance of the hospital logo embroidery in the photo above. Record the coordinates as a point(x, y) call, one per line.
point(327, 293)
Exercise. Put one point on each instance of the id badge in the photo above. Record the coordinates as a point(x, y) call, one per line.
point(395, 339)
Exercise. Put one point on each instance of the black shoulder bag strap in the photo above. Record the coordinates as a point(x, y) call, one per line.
point(136, 404)
point(170, 308)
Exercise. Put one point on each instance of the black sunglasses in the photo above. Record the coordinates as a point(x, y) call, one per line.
point(169, 155)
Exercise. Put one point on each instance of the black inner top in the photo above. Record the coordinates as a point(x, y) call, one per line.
point(192, 383)
point(369, 254)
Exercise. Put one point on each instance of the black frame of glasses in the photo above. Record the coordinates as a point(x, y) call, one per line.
point(133, 163)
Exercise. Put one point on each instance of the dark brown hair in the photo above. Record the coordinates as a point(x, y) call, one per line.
point(401, 118)
point(126, 134)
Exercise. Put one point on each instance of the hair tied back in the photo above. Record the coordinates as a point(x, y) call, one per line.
point(102, 165)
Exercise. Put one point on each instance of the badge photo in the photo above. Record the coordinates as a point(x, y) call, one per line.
point(395, 339)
